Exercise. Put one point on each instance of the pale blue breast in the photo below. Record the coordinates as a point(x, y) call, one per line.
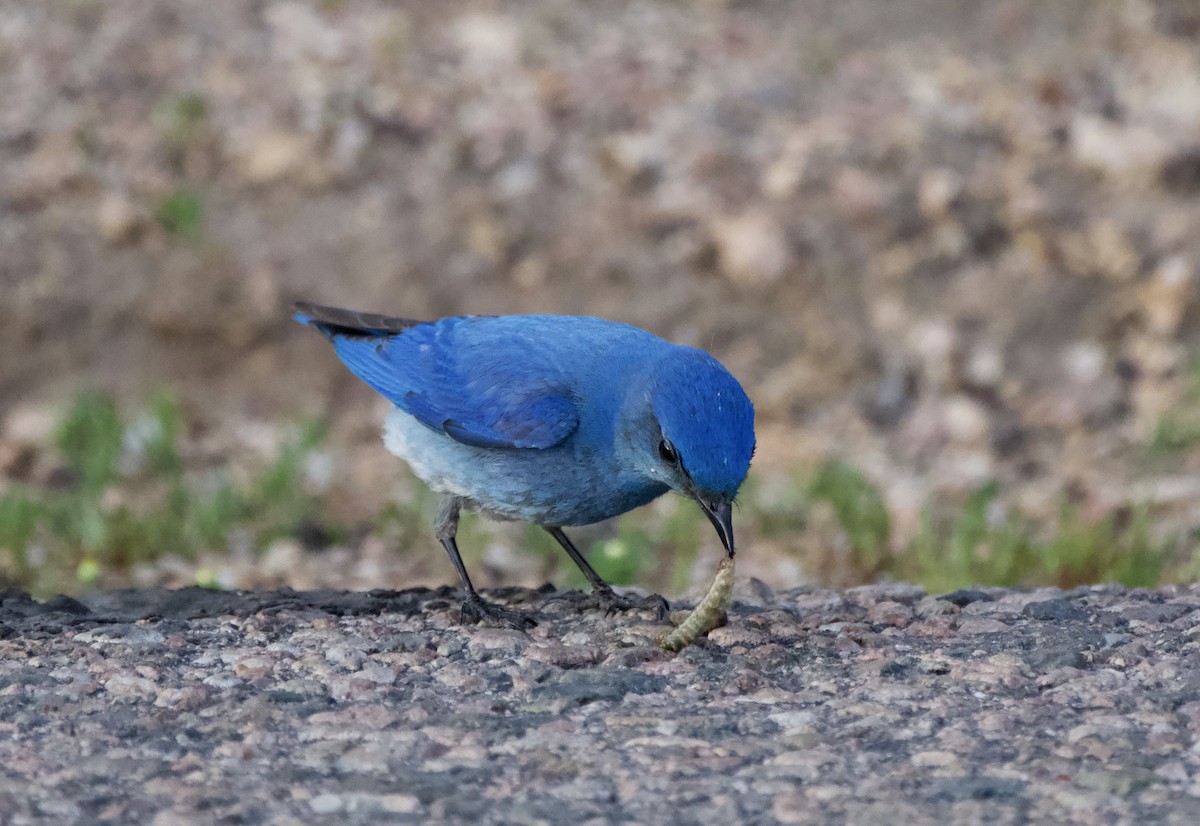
point(576, 483)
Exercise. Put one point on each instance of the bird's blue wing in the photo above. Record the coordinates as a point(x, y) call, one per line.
point(483, 384)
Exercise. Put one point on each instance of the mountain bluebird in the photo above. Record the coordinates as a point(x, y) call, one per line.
point(554, 420)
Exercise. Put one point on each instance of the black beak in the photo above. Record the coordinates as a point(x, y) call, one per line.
point(720, 512)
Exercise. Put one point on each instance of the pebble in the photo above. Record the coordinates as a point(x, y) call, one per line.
point(117, 220)
point(566, 656)
point(497, 640)
point(130, 689)
point(751, 248)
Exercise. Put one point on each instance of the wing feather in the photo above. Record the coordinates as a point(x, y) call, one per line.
point(473, 379)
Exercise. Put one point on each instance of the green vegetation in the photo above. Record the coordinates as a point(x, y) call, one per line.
point(121, 493)
point(972, 549)
point(860, 510)
point(123, 496)
point(980, 543)
point(182, 121)
point(1179, 430)
point(180, 214)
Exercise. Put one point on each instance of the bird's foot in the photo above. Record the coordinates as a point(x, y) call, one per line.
point(474, 609)
point(612, 602)
point(609, 601)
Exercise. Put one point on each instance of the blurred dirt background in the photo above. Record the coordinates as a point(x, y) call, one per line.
point(948, 241)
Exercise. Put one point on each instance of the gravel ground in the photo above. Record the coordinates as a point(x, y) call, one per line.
point(872, 705)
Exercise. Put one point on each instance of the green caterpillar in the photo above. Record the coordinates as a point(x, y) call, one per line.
point(708, 614)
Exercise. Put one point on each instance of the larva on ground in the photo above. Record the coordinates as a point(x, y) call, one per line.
point(708, 614)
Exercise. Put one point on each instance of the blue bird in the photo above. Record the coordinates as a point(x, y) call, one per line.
point(553, 420)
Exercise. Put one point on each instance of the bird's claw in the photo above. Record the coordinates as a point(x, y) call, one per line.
point(475, 610)
point(609, 601)
point(612, 603)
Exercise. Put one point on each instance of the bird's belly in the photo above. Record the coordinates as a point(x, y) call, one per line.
point(554, 487)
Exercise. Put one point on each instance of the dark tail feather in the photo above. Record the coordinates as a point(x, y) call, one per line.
point(335, 321)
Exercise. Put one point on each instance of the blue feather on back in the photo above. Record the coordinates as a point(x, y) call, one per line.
point(477, 385)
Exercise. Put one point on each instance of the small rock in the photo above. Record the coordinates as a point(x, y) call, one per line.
point(936, 760)
point(984, 367)
point(30, 425)
point(731, 635)
point(1157, 614)
point(935, 344)
point(222, 680)
point(500, 640)
point(967, 421)
point(116, 218)
point(375, 673)
point(277, 155)
point(130, 689)
point(792, 808)
point(1118, 150)
point(327, 803)
point(1084, 362)
point(938, 189)
point(187, 698)
point(565, 656)
point(58, 161)
point(891, 614)
point(252, 668)
point(782, 177)
point(1113, 255)
point(123, 634)
point(399, 803)
point(901, 592)
point(935, 607)
point(488, 41)
point(792, 719)
point(578, 688)
point(301, 34)
point(966, 596)
point(751, 248)
point(290, 691)
point(362, 761)
point(982, 625)
point(1054, 609)
point(1167, 296)
point(859, 194)
point(344, 656)
point(634, 159)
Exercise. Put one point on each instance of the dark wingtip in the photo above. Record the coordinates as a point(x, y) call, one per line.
point(336, 321)
point(304, 313)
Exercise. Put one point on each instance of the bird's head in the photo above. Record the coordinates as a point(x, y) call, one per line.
point(698, 435)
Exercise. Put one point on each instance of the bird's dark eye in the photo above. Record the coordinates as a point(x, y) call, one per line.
point(667, 452)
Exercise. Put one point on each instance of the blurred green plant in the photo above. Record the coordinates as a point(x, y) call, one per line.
point(181, 214)
point(1118, 547)
point(123, 496)
point(972, 547)
point(1179, 429)
point(979, 542)
point(777, 512)
point(182, 120)
point(860, 511)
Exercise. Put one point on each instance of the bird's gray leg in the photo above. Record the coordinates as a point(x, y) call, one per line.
point(608, 599)
point(598, 583)
point(474, 608)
